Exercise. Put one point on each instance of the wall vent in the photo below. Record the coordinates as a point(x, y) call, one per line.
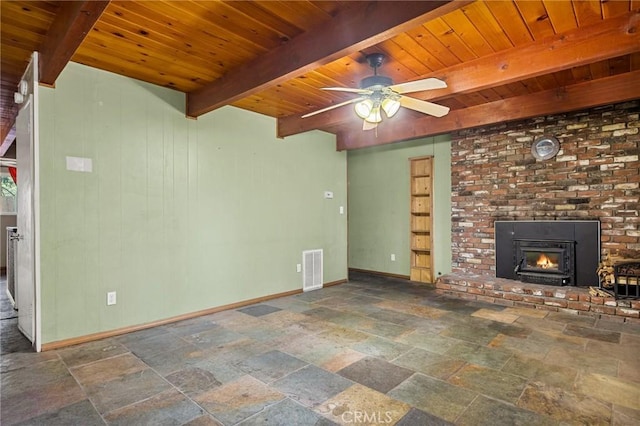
point(311, 270)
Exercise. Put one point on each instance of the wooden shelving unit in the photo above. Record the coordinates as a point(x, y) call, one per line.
point(421, 222)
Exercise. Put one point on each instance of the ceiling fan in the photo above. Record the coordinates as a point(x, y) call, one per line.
point(378, 92)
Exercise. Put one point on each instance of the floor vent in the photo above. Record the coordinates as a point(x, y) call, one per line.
point(311, 269)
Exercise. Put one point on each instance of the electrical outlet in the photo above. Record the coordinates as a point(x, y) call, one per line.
point(299, 267)
point(393, 257)
point(111, 298)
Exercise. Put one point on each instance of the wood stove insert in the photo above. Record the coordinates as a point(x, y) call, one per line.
point(551, 252)
point(544, 261)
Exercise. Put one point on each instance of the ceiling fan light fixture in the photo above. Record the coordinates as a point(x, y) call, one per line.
point(364, 108)
point(390, 106)
point(374, 116)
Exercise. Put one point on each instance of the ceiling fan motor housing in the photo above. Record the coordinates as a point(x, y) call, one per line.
point(375, 80)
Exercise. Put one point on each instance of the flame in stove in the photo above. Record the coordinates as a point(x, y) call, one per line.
point(545, 262)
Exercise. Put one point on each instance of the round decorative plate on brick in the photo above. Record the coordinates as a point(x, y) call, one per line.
point(545, 147)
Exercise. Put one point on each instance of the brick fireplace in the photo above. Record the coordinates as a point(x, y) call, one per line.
point(595, 176)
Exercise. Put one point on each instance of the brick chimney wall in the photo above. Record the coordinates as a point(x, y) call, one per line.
point(596, 175)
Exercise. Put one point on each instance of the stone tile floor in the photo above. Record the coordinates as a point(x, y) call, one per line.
point(373, 351)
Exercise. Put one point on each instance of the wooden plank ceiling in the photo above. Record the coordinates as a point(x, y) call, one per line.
point(502, 60)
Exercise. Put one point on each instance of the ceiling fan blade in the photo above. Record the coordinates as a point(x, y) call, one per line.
point(352, 101)
point(418, 85)
point(349, 89)
point(424, 106)
point(366, 125)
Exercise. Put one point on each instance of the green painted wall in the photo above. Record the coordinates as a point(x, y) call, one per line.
point(379, 205)
point(178, 215)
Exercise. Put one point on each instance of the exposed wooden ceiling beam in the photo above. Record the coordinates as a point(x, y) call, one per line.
point(360, 26)
point(619, 88)
point(72, 23)
point(609, 39)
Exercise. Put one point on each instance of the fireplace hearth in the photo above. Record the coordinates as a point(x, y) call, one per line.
point(558, 252)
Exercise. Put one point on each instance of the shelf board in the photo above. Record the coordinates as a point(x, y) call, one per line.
point(418, 176)
point(426, 250)
point(421, 231)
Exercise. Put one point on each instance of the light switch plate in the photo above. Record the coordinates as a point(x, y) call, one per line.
point(79, 164)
